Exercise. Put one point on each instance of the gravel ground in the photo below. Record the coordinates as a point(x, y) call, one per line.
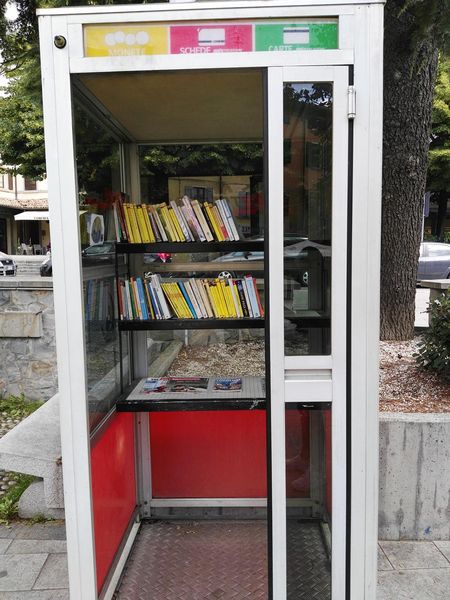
point(406, 387)
point(7, 479)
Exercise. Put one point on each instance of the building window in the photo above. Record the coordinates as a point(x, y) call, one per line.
point(10, 181)
point(2, 182)
point(30, 185)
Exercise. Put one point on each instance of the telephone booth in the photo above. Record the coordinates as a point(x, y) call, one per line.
point(214, 173)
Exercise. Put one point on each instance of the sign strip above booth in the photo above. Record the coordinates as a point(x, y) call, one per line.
point(204, 38)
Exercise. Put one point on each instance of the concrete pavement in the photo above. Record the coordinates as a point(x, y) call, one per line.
point(33, 566)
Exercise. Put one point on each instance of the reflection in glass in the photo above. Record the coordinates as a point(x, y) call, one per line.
point(98, 171)
point(307, 217)
point(308, 499)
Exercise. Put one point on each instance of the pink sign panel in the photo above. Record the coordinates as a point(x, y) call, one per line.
point(205, 39)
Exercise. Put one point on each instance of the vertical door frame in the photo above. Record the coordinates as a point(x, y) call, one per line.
point(336, 363)
point(69, 312)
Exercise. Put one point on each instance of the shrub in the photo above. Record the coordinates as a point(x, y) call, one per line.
point(434, 349)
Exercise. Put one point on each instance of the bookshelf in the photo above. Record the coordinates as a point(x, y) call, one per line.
point(207, 291)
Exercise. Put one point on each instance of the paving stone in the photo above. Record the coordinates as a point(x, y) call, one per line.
point(36, 595)
point(383, 563)
point(54, 574)
point(35, 546)
point(414, 555)
point(444, 547)
point(423, 584)
point(41, 531)
point(19, 573)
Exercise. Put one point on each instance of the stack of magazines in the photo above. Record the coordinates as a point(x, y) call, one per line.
point(161, 298)
point(187, 221)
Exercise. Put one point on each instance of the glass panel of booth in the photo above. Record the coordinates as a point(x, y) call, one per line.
point(308, 500)
point(98, 172)
point(307, 217)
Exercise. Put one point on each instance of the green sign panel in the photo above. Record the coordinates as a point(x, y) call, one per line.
point(295, 36)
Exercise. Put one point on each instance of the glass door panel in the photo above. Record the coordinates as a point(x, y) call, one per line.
point(307, 120)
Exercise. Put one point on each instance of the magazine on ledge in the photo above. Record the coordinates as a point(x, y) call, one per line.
point(175, 384)
point(227, 384)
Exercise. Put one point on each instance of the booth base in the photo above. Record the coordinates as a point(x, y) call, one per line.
point(220, 560)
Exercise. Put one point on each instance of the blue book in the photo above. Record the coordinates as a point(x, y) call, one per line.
point(156, 307)
point(186, 297)
point(142, 298)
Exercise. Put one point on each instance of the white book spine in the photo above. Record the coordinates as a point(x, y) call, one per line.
point(198, 298)
point(252, 295)
point(162, 299)
point(128, 302)
point(230, 218)
point(192, 298)
point(194, 220)
point(224, 219)
point(204, 295)
point(202, 221)
point(162, 231)
point(247, 299)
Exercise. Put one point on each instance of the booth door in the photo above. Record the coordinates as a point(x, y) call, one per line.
point(308, 133)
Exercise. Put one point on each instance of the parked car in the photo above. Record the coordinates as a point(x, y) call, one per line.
point(99, 253)
point(434, 261)
point(7, 265)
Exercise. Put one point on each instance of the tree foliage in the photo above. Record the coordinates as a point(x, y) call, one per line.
point(439, 155)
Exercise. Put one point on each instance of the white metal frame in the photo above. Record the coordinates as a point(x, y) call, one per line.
point(360, 44)
point(299, 377)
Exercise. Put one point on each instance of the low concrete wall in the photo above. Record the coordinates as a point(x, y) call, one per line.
point(414, 496)
point(27, 344)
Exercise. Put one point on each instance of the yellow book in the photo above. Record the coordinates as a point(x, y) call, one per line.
point(178, 229)
point(229, 298)
point(235, 295)
point(220, 299)
point(166, 288)
point(164, 214)
point(149, 300)
point(151, 235)
point(207, 286)
point(215, 300)
point(220, 224)
point(128, 223)
point(141, 225)
point(186, 309)
point(217, 231)
point(180, 302)
point(134, 224)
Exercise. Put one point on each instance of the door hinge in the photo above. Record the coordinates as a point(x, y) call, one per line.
point(351, 102)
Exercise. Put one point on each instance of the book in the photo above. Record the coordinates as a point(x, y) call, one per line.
point(227, 384)
point(175, 385)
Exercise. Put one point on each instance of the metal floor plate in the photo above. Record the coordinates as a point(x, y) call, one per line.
point(221, 560)
point(308, 565)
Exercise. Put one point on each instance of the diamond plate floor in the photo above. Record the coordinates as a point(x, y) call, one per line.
point(221, 560)
point(200, 560)
point(308, 566)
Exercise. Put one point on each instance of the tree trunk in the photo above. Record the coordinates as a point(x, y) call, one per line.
point(409, 76)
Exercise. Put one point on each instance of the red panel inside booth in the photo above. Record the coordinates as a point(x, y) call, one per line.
point(113, 489)
point(209, 454)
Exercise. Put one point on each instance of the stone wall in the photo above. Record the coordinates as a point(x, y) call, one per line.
point(27, 338)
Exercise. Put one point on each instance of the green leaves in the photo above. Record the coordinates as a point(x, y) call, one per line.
point(434, 350)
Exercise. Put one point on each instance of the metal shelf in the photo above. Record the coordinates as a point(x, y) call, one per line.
point(176, 324)
point(174, 247)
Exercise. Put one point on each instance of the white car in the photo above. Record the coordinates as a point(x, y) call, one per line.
point(7, 265)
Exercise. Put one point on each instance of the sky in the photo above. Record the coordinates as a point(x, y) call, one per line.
point(11, 14)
